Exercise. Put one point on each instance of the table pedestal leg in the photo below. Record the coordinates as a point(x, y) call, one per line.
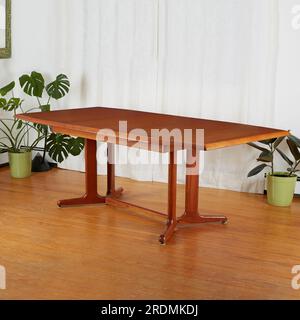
point(171, 219)
point(91, 195)
point(191, 214)
point(111, 190)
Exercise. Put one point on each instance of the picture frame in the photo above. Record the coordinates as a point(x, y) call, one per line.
point(5, 29)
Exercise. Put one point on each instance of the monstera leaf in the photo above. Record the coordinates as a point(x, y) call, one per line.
point(4, 90)
point(3, 103)
point(11, 104)
point(58, 146)
point(59, 87)
point(41, 127)
point(76, 145)
point(32, 84)
point(19, 124)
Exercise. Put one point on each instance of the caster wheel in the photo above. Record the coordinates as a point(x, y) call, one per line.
point(162, 240)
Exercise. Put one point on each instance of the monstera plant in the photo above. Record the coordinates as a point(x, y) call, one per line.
point(58, 146)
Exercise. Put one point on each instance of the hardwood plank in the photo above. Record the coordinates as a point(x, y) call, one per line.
point(100, 252)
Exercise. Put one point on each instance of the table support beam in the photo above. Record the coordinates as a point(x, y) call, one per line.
point(172, 183)
point(191, 214)
point(91, 195)
point(111, 190)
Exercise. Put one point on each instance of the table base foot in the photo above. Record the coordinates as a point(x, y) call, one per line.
point(81, 201)
point(189, 219)
point(116, 193)
point(202, 218)
point(170, 229)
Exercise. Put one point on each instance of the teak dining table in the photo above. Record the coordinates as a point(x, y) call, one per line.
point(86, 123)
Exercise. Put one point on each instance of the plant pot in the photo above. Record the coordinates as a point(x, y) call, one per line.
point(20, 164)
point(280, 189)
point(297, 190)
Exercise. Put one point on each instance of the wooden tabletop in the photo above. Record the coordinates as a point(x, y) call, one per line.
point(86, 122)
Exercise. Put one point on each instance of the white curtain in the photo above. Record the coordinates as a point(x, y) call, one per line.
point(204, 58)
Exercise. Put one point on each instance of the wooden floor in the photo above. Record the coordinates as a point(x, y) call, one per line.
point(99, 252)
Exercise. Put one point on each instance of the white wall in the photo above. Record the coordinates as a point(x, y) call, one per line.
point(34, 32)
point(287, 100)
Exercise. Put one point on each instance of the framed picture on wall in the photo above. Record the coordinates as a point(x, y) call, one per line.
point(5, 28)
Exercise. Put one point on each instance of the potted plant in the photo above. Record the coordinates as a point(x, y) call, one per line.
point(15, 138)
point(280, 185)
point(58, 146)
point(15, 141)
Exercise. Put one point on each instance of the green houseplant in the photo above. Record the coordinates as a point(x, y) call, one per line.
point(280, 185)
point(58, 146)
point(15, 140)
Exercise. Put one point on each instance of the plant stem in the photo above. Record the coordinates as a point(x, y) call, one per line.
point(39, 101)
point(45, 144)
point(272, 163)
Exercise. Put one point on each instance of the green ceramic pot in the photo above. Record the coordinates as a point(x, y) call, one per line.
point(20, 164)
point(280, 189)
